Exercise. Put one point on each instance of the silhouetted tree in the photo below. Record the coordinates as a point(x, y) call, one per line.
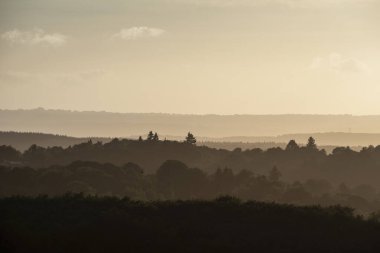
point(311, 143)
point(190, 138)
point(9, 153)
point(150, 136)
point(155, 137)
point(140, 138)
point(177, 180)
point(292, 145)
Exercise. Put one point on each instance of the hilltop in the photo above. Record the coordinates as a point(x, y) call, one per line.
point(251, 128)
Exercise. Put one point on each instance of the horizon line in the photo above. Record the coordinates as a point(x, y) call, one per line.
point(188, 114)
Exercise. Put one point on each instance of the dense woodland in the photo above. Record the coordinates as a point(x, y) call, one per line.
point(343, 165)
point(175, 180)
point(139, 195)
point(165, 170)
point(74, 223)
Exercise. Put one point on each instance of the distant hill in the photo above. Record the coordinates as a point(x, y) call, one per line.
point(323, 139)
point(105, 124)
point(23, 140)
point(262, 145)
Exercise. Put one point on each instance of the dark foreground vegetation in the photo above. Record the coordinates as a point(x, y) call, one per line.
point(73, 223)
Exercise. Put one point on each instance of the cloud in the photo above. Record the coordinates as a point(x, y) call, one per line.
point(140, 32)
point(34, 37)
point(338, 64)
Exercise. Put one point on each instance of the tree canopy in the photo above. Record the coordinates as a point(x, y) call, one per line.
point(190, 139)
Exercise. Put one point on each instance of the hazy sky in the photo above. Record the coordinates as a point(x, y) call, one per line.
point(191, 56)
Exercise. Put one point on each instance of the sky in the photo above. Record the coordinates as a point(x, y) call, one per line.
point(191, 56)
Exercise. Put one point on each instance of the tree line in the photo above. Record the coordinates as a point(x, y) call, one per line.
point(189, 139)
point(296, 162)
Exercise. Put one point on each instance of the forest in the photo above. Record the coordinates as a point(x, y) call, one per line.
point(296, 162)
point(150, 169)
point(138, 195)
point(176, 181)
